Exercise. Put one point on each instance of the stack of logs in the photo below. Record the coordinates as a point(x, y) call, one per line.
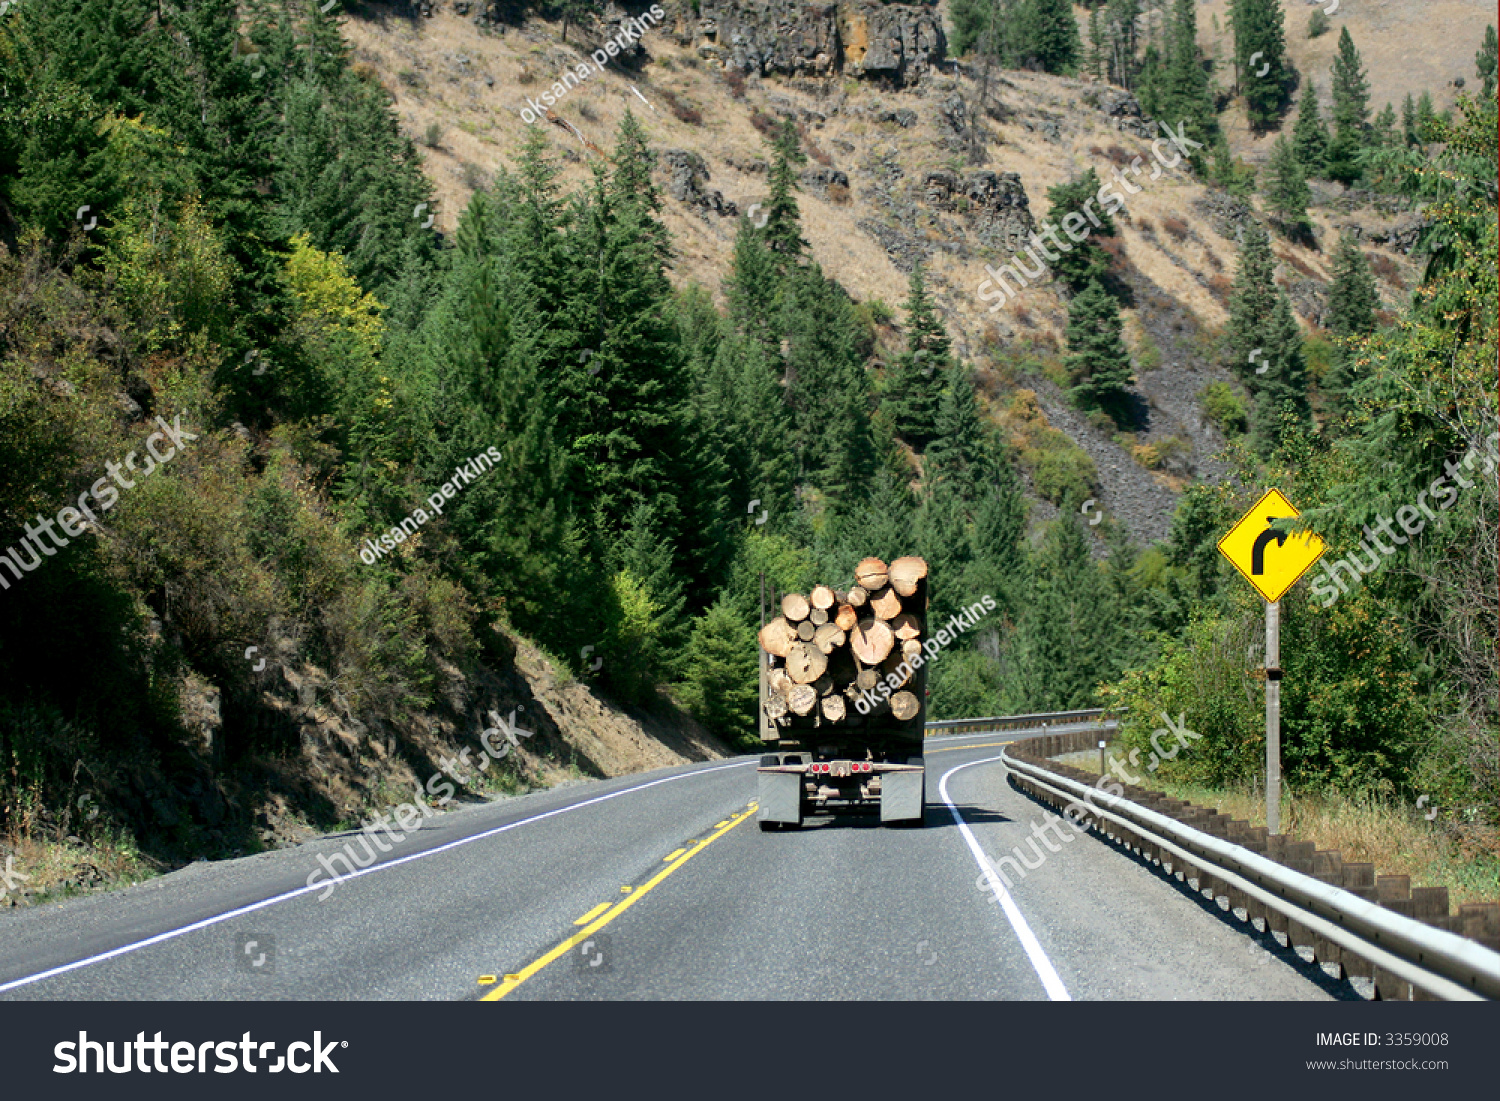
point(830, 647)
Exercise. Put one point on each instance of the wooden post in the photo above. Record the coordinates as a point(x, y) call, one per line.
point(1273, 716)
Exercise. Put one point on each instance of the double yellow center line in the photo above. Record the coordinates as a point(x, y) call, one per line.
point(606, 912)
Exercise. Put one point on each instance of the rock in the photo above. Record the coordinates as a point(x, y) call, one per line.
point(687, 175)
point(994, 205)
point(896, 43)
point(818, 180)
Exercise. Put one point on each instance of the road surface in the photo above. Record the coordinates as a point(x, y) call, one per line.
point(661, 886)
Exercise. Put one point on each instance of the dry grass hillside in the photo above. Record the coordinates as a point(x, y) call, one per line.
point(459, 90)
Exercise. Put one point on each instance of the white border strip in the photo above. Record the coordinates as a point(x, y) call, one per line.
point(1044, 969)
point(217, 918)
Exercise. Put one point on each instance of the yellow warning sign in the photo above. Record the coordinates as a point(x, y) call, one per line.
point(1271, 560)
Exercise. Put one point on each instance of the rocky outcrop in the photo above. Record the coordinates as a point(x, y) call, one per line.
point(996, 210)
point(687, 173)
point(895, 43)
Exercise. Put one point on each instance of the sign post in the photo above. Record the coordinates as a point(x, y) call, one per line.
point(1248, 546)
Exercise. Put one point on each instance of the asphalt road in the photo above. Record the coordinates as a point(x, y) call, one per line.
point(661, 886)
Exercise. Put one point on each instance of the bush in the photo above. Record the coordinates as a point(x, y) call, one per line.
point(721, 687)
point(432, 137)
point(1224, 408)
point(1062, 473)
point(1317, 24)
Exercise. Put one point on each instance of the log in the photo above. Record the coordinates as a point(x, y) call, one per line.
point(846, 617)
point(872, 574)
point(833, 708)
point(775, 706)
point(910, 648)
point(818, 616)
point(856, 597)
point(871, 640)
point(828, 638)
point(906, 574)
point(778, 680)
point(821, 597)
point(806, 630)
point(794, 606)
point(802, 699)
point(804, 664)
point(904, 706)
point(885, 603)
point(777, 636)
point(906, 626)
point(840, 596)
point(891, 666)
point(867, 679)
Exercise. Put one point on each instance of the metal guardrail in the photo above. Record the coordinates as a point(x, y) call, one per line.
point(1443, 964)
point(1043, 719)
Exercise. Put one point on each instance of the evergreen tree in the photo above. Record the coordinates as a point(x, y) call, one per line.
point(1485, 62)
point(915, 384)
point(1351, 110)
point(1052, 39)
point(959, 449)
point(1066, 626)
point(1310, 136)
point(1181, 89)
point(1409, 120)
point(1251, 301)
point(1287, 193)
point(1281, 406)
point(1097, 357)
point(1084, 260)
point(783, 228)
point(1383, 129)
point(1260, 58)
point(1352, 302)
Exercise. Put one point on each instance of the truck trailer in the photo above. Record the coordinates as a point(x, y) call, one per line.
point(843, 699)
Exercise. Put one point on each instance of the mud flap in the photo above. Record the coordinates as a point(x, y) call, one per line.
point(780, 798)
point(902, 796)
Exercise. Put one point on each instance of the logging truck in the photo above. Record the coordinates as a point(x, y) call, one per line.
point(843, 699)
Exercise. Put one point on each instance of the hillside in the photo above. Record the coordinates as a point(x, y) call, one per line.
point(894, 181)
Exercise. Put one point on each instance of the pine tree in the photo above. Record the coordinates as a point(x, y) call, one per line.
point(1425, 117)
point(1067, 611)
point(1181, 89)
point(1052, 39)
point(1486, 60)
point(1096, 51)
point(1097, 357)
point(959, 449)
point(1352, 302)
point(1251, 301)
point(1260, 58)
point(1409, 120)
point(1351, 111)
point(1281, 405)
point(1287, 193)
point(1081, 260)
point(915, 384)
point(783, 228)
point(1310, 136)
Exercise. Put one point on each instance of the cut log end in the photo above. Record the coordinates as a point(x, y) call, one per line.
point(885, 603)
point(834, 708)
point(906, 574)
point(821, 597)
point(804, 664)
point(904, 706)
point(871, 641)
point(871, 573)
point(795, 607)
point(777, 636)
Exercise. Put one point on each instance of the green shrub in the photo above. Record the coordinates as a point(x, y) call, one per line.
point(1224, 408)
point(1317, 24)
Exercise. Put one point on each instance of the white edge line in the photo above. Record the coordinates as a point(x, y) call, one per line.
point(1044, 969)
point(261, 905)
